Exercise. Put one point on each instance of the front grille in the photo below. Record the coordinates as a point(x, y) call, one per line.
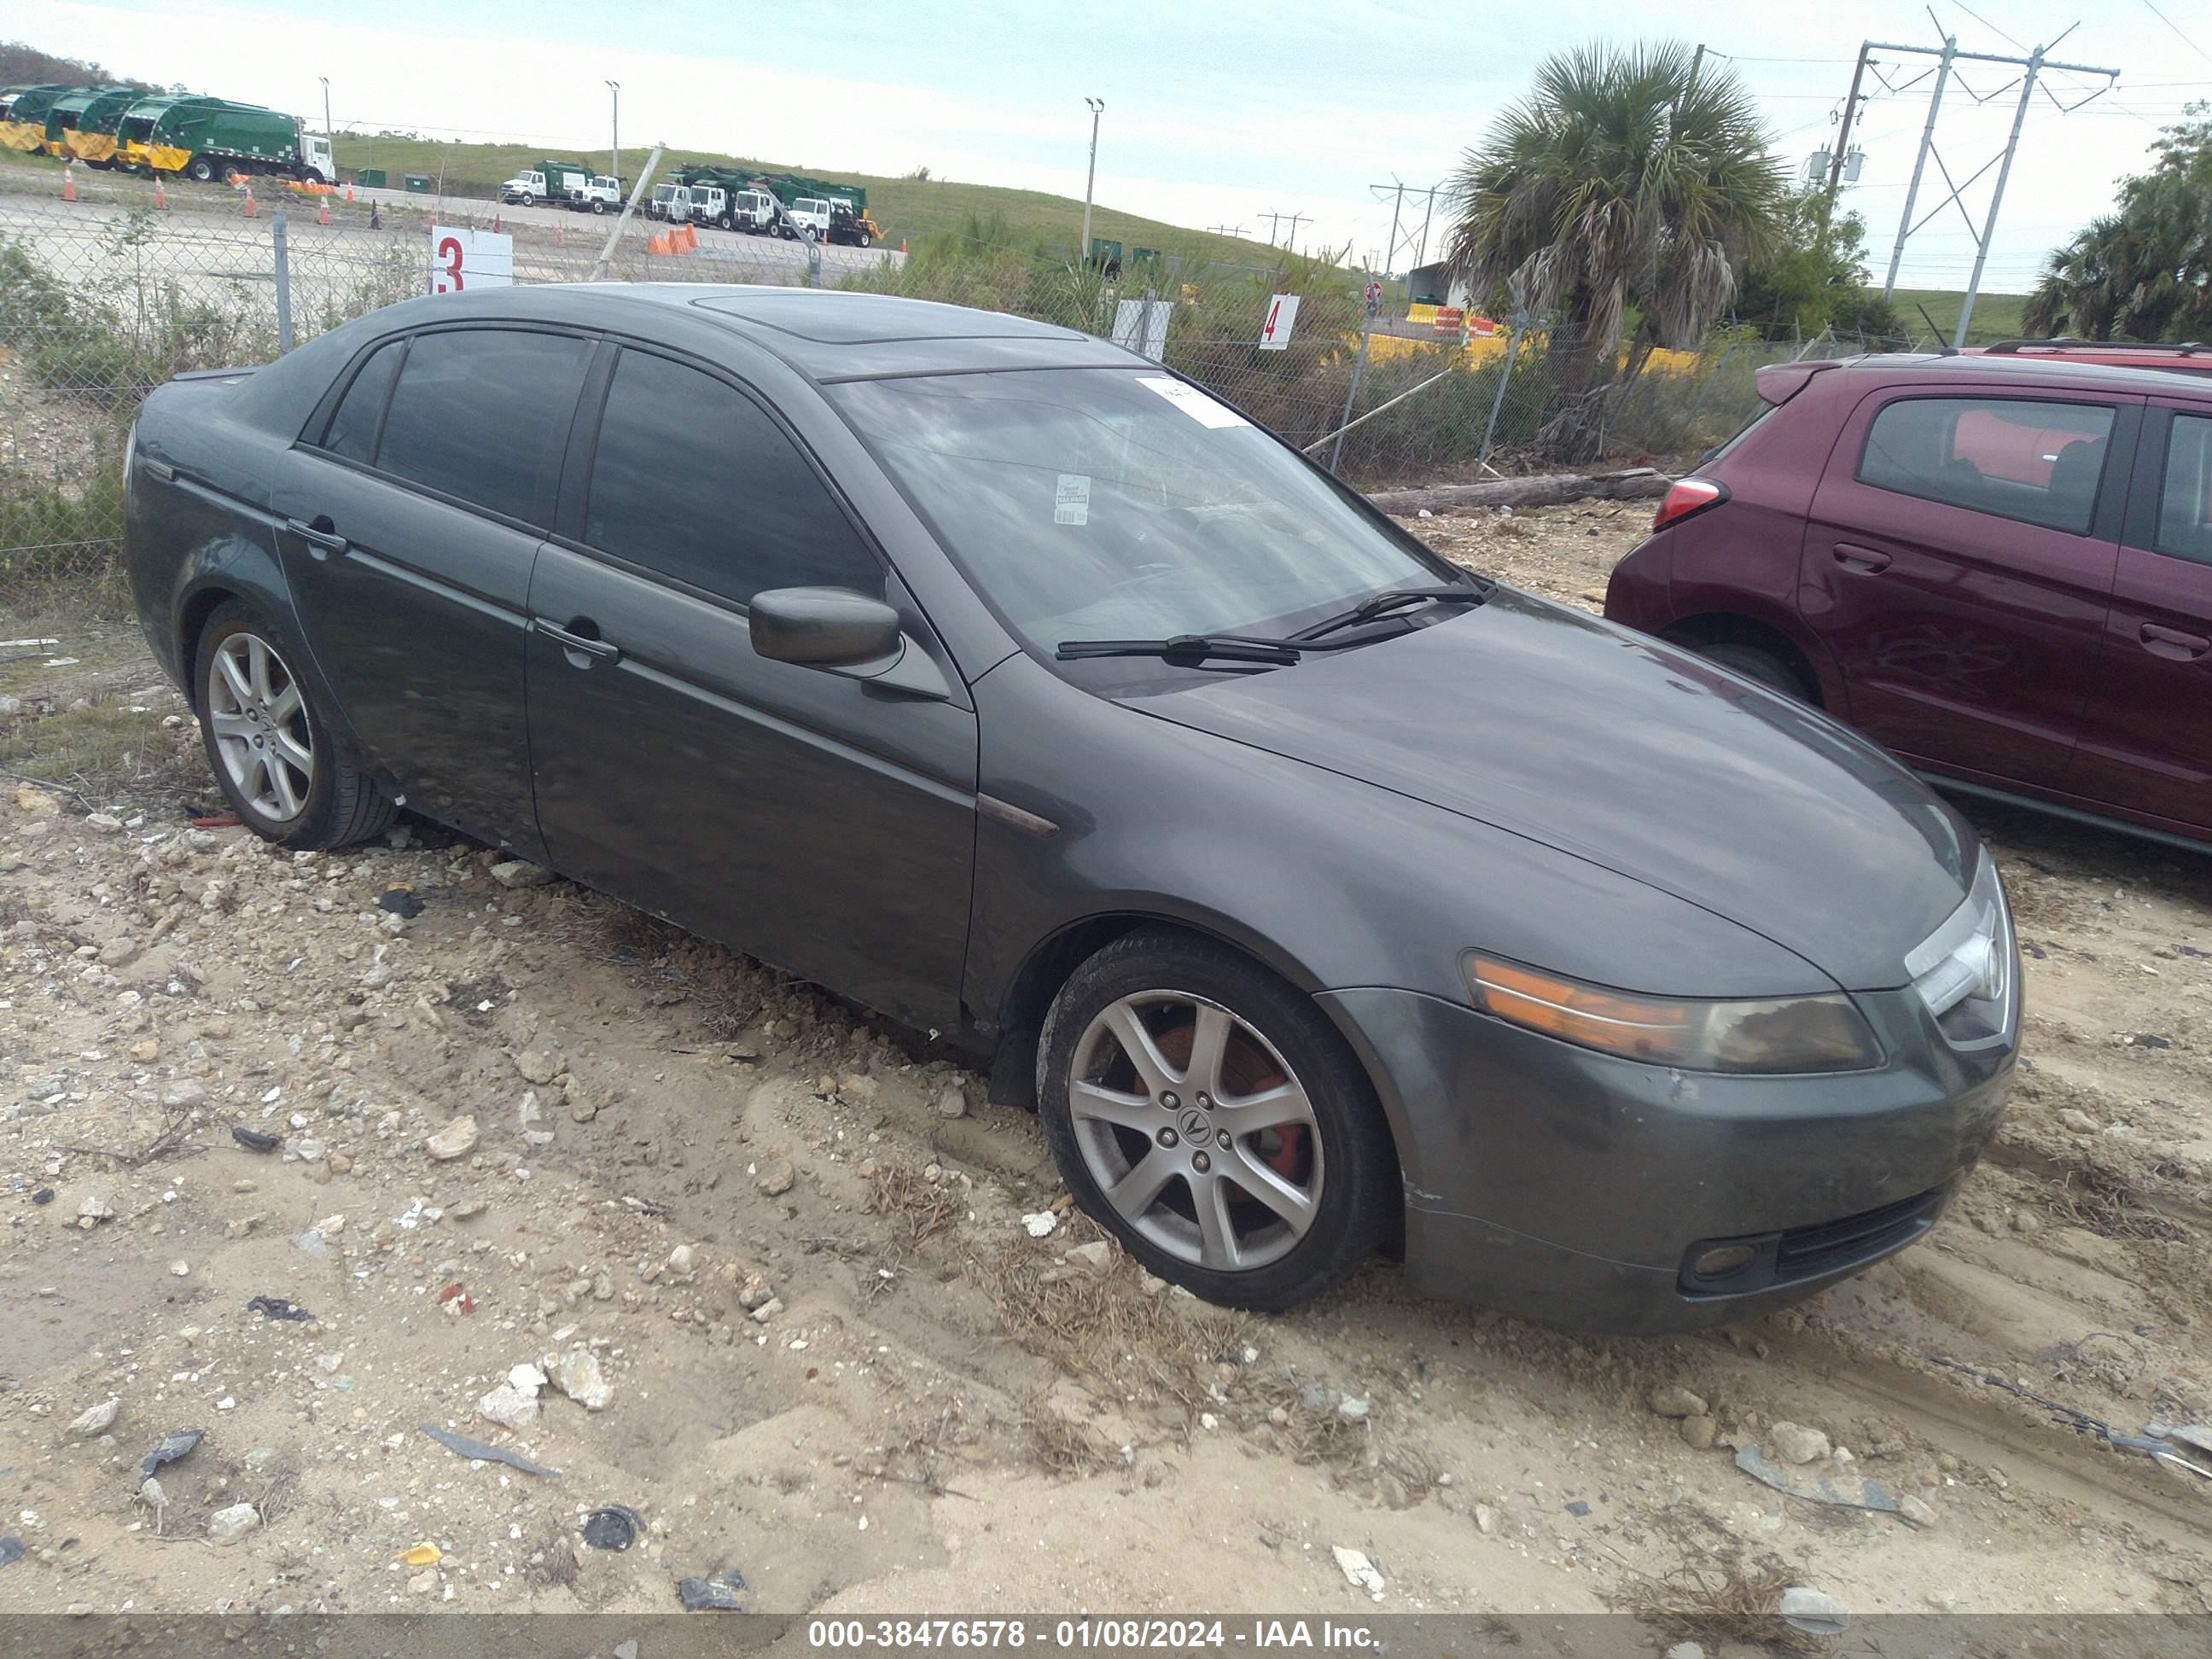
point(1798, 1253)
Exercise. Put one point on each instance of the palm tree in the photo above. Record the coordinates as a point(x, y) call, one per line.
point(2144, 270)
point(1622, 183)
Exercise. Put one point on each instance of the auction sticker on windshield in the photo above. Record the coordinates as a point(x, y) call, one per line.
point(1193, 402)
point(1071, 502)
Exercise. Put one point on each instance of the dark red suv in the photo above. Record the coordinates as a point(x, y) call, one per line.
point(1999, 567)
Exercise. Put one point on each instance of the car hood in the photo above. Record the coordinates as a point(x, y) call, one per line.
point(1614, 747)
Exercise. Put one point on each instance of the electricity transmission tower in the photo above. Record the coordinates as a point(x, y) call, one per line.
point(1947, 57)
point(1226, 230)
point(1275, 219)
point(1403, 235)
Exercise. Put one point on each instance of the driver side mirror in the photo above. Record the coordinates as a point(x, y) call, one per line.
point(823, 626)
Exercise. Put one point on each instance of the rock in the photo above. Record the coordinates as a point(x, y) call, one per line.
point(753, 1290)
point(106, 823)
point(94, 1207)
point(37, 802)
point(681, 1263)
point(1686, 1651)
point(95, 1420)
point(2025, 1221)
point(777, 1179)
point(1358, 1571)
point(2080, 1122)
point(228, 1526)
point(1098, 1255)
point(1917, 1511)
point(509, 1406)
point(768, 1310)
point(517, 872)
point(1699, 1432)
point(1674, 1401)
point(1486, 1519)
point(537, 1066)
point(576, 1374)
point(181, 1268)
point(183, 1094)
point(150, 1494)
point(456, 1139)
point(1806, 1609)
point(953, 1102)
point(1353, 1409)
point(1040, 1224)
point(1794, 1443)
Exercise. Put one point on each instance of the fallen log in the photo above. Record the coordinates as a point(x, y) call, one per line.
point(1540, 489)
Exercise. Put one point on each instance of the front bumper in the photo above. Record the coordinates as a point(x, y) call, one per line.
point(1573, 1188)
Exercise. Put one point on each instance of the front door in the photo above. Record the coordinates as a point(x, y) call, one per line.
point(820, 824)
point(2147, 739)
point(412, 521)
point(1958, 560)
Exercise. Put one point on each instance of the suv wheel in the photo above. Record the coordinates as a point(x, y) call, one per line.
point(1755, 662)
point(1208, 1115)
point(273, 749)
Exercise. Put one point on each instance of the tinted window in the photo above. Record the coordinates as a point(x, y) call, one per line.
point(483, 414)
point(693, 481)
point(2184, 506)
point(353, 424)
point(2039, 462)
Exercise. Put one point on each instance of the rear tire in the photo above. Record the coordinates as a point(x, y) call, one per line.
point(1770, 668)
point(1244, 1155)
point(276, 752)
point(200, 169)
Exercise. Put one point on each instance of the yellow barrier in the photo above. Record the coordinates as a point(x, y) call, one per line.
point(1482, 348)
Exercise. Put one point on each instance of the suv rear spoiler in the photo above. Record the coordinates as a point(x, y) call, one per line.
point(1778, 383)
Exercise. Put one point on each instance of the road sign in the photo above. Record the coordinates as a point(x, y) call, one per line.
point(462, 259)
point(1275, 331)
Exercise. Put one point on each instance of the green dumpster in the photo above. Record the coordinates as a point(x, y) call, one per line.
point(419, 183)
point(371, 177)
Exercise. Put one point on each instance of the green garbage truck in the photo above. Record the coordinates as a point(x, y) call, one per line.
point(208, 138)
point(84, 128)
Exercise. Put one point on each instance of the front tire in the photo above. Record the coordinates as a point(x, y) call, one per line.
point(1208, 1115)
point(273, 747)
point(1768, 668)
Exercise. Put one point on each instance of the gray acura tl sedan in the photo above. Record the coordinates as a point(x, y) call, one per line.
point(1322, 896)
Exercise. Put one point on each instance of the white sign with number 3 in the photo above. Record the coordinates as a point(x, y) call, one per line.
point(1275, 331)
point(463, 259)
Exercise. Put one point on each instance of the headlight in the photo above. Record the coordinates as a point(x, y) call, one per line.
point(1774, 1034)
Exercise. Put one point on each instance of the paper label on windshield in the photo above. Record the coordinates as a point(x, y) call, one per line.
point(1193, 402)
point(1071, 502)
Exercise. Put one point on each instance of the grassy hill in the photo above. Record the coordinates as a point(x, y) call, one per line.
point(1997, 316)
point(906, 208)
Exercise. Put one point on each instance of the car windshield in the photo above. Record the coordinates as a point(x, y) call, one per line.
point(1111, 503)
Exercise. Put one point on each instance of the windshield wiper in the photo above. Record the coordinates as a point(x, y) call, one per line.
point(1186, 648)
point(1382, 604)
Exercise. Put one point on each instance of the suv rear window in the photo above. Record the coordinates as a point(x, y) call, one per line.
point(2036, 461)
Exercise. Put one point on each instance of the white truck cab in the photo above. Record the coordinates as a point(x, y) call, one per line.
point(670, 202)
point(597, 194)
point(316, 160)
point(525, 188)
point(810, 213)
point(755, 210)
point(709, 202)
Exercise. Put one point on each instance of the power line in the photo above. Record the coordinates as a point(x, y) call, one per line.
point(2176, 27)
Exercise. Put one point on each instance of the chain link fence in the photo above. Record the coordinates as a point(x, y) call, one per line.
point(104, 297)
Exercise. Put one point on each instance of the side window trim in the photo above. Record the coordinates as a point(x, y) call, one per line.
point(2114, 490)
point(571, 535)
point(2147, 504)
point(326, 413)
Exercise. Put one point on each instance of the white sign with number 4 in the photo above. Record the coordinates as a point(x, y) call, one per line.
point(463, 259)
point(1275, 332)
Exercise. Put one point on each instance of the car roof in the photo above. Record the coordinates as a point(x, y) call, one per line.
point(2026, 371)
point(827, 335)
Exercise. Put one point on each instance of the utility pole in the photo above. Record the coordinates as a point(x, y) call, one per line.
point(1696, 61)
point(1948, 58)
point(1098, 108)
point(329, 131)
point(614, 155)
point(1844, 137)
point(1920, 162)
point(1275, 219)
point(1227, 230)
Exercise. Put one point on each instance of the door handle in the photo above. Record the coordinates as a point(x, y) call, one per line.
point(2172, 642)
point(321, 536)
point(1865, 560)
point(577, 642)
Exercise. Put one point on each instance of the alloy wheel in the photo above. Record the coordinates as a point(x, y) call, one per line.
point(1196, 1130)
point(259, 720)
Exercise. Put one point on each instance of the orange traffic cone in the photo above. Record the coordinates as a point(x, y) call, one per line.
point(901, 245)
point(160, 197)
point(323, 213)
point(494, 224)
point(69, 182)
point(251, 208)
point(348, 192)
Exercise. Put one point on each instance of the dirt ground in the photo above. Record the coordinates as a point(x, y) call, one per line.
point(806, 1333)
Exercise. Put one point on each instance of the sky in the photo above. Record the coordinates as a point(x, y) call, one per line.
point(1218, 112)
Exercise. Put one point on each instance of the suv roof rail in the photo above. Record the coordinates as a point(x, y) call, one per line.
point(2180, 348)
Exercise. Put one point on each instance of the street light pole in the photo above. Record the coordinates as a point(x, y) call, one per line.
point(614, 163)
point(1097, 107)
point(328, 132)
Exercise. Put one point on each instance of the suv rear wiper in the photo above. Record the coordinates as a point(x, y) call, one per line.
point(1381, 604)
point(1186, 648)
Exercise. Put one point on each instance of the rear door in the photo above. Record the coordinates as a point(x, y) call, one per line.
point(1958, 561)
point(820, 823)
point(2147, 739)
point(414, 516)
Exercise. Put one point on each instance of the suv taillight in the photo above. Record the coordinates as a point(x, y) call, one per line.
point(1687, 498)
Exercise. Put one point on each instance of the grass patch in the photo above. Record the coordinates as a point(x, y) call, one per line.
point(105, 751)
point(60, 542)
point(1997, 316)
